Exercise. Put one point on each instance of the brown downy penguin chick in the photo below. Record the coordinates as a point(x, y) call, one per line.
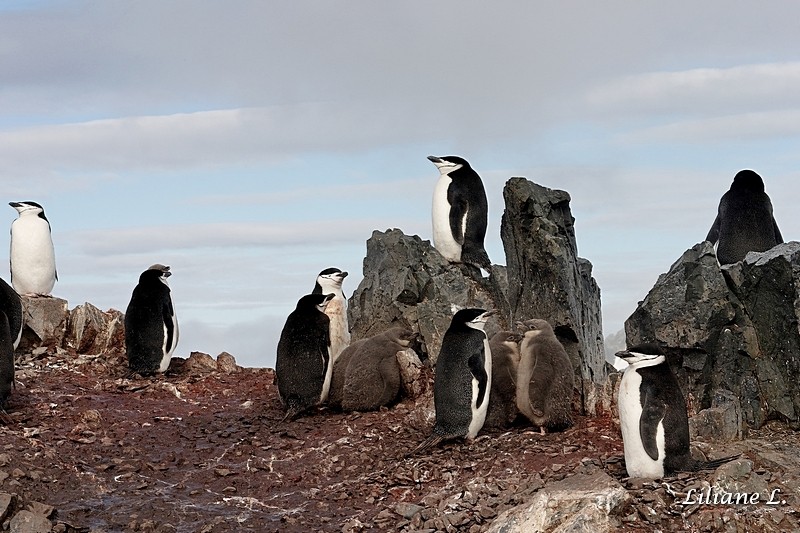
point(505, 360)
point(339, 371)
point(545, 377)
point(372, 376)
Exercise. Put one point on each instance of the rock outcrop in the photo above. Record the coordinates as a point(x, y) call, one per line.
point(408, 283)
point(730, 331)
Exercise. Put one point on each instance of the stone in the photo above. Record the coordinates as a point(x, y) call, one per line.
point(407, 510)
point(7, 502)
point(92, 331)
point(412, 382)
point(226, 363)
point(722, 422)
point(730, 329)
point(45, 322)
point(408, 283)
point(28, 522)
point(550, 281)
point(199, 363)
point(579, 503)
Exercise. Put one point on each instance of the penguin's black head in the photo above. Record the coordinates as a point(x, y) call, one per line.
point(156, 272)
point(473, 317)
point(641, 353)
point(747, 180)
point(33, 207)
point(449, 163)
point(328, 280)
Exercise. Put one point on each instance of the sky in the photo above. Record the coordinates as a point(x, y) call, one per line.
point(251, 144)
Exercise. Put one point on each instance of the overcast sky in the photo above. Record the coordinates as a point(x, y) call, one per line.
point(250, 145)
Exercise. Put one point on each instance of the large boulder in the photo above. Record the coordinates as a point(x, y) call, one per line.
point(92, 331)
point(45, 322)
point(408, 283)
point(548, 280)
point(733, 329)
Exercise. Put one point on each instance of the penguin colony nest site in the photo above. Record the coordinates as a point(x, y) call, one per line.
point(207, 451)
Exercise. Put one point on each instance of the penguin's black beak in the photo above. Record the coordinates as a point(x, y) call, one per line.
point(14, 204)
point(624, 354)
point(343, 274)
point(434, 159)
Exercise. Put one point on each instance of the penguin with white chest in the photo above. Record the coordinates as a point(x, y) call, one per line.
point(303, 366)
point(460, 212)
point(329, 281)
point(151, 328)
point(463, 379)
point(653, 418)
point(33, 258)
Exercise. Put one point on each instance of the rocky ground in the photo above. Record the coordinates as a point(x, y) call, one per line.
point(203, 449)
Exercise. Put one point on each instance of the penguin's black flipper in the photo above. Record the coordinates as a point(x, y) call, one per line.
point(652, 414)
point(476, 367)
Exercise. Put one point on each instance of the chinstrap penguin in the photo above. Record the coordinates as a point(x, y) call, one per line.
point(329, 281)
point(462, 380)
point(505, 360)
point(303, 366)
point(744, 220)
point(33, 258)
point(459, 213)
point(545, 377)
point(11, 305)
point(151, 328)
point(372, 376)
point(653, 418)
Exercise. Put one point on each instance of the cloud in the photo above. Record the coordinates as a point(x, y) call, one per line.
point(701, 91)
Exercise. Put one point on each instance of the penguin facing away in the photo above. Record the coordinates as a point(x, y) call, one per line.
point(303, 366)
point(33, 258)
point(11, 305)
point(462, 380)
point(459, 212)
point(151, 328)
point(505, 359)
point(545, 377)
point(329, 281)
point(653, 418)
point(744, 222)
point(372, 378)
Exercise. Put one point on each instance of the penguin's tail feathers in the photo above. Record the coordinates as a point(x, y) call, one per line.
point(430, 442)
point(294, 408)
point(5, 419)
point(711, 465)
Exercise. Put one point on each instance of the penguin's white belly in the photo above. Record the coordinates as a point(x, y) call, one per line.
point(637, 462)
point(479, 411)
point(443, 239)
point(33, 259)
point(168, 349)
point(326, 383)
point(339, 331)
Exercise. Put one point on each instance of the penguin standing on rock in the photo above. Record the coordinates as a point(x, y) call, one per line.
point(10, 334)
point(653, 418)
point(33, 258)
point(463, 379)
point(303, 366)
point(460, 213)
point(744, 220)
point(151, 329)
point(329, 281)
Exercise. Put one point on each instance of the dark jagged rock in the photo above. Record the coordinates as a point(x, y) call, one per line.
point(548, 280)
point(730, 329)
point(408, 283)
